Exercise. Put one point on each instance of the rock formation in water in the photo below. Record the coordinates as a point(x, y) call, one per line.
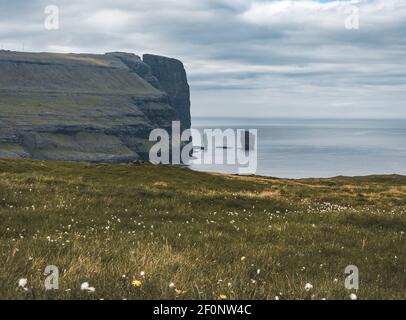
point(83, 107)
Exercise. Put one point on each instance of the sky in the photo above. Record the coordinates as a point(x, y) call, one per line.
point(244, 58)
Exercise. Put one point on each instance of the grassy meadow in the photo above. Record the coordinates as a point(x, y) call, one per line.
point(158, 232)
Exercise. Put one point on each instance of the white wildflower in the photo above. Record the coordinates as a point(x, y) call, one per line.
point(22, 282)
point(308, 287)
point(84, 286)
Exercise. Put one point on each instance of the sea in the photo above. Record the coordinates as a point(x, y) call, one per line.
point(316, 148)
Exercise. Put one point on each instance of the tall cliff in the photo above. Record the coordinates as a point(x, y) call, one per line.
point(171, 76)
point(82, 107)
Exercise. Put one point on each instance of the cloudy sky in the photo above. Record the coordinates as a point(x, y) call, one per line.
point(252, 58)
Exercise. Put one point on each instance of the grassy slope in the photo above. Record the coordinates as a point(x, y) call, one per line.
point(100, 222)
point(44, 95)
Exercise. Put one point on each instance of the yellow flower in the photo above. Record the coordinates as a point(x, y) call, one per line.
point(136, 283)
point(242, 258)
point(222, 297)
point(180, 292)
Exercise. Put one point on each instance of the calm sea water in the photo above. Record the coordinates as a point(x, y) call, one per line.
point(303, 148)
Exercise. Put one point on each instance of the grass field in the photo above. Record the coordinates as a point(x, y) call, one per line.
point(211, 236)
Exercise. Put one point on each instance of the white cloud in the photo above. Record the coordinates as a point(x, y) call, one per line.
point(276, 57)
point(332, 14)
point(108, 19)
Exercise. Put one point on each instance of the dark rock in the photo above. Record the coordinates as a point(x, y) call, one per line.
point(172, 78)
point(139, 162)
point(248, 140)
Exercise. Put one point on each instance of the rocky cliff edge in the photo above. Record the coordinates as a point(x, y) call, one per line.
point(86, 107)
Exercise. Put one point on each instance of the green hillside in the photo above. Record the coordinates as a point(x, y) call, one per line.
point(83, 107)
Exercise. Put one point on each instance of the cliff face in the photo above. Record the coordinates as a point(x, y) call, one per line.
point(172, 79)
point(98, 108)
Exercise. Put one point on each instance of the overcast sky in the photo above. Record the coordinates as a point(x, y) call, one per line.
point(251, 58)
